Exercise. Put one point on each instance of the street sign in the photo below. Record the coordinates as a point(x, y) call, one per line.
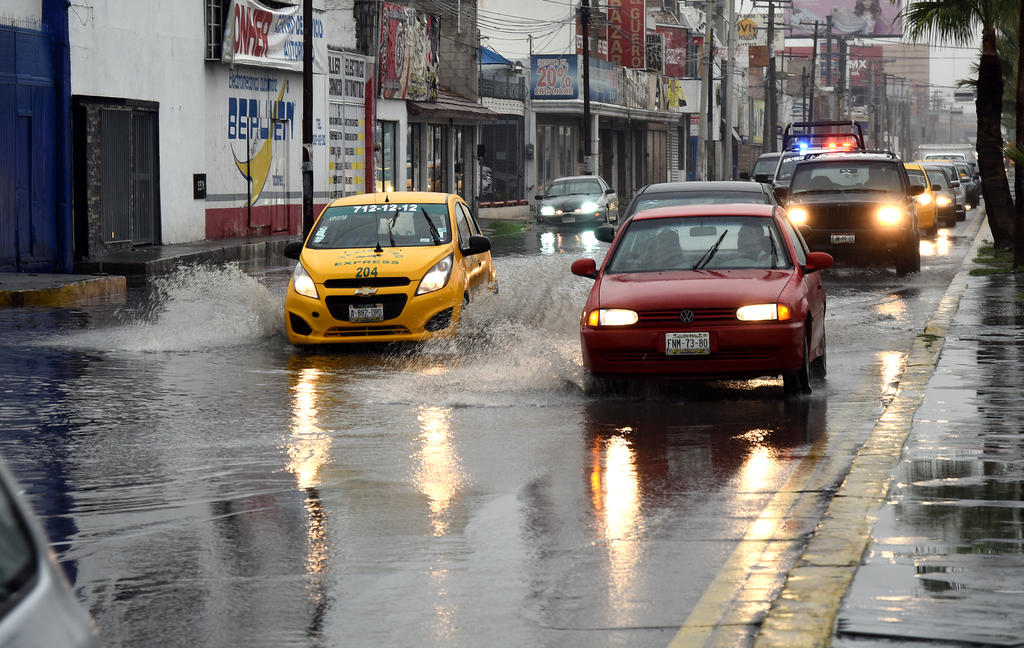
point(963, 95)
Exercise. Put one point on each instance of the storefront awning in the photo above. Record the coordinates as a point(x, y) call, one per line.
point(453, 106)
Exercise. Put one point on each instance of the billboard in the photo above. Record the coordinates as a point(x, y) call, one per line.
point(554, 76)
point(626, 33)
point(409, 42)
point(255, 34)
point(849, 17)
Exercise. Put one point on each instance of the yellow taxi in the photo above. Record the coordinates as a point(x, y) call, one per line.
point(387, 267)
point(926, 200)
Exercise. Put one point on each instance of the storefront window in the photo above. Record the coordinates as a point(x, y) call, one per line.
point(501, 168)
point(436, 158)
point(462, 137)
point(557, 146)
point(385, 155)
point(413, 164)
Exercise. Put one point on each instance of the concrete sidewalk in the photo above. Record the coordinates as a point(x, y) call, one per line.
point(109, 276)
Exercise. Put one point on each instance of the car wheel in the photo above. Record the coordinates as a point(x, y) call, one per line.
point(908, 258)
point(799, 381)
point(819, 366)
point(595, 385)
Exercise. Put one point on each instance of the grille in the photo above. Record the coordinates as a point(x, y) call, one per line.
point(701, 316)
point(842, 216)
point(372, 282)
point(365, 331)
point(338, 304)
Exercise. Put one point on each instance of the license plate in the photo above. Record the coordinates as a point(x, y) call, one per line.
point(568, 219)
point(843, 239)
point(688, 343)
point(368, 313)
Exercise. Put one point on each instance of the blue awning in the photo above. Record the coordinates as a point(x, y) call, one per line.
point(490, 57)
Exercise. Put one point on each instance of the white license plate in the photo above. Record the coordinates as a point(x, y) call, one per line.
point(368, 313)
point(568, 219)
point(838, 239)
point(688, 343)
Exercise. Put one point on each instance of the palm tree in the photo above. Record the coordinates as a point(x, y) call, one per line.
point(1018, 149)
point(956, 22)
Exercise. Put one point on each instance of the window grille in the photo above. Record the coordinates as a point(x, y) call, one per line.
point(214, 29)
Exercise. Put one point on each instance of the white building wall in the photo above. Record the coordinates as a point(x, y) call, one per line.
point(339, 23)
point(151, 51)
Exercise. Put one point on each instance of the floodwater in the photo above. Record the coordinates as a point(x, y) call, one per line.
point(207, 484)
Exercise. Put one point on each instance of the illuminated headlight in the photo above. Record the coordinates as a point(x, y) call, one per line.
point(589, 207)
point(763, 312)
point(797, 215)
point(303, 283)
point(924, 199)
point(547, 210)
point(942, 201)
point(890, 215)
point(612, 317)
point(437, 277)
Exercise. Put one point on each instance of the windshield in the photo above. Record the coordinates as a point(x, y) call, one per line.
point(846, 175)
point(664, 244)
point(786, 167)
point(917, 177)
point(573, 188)
point(390, 225)
point(765, 165)
point(702, 198)
point(937, 176)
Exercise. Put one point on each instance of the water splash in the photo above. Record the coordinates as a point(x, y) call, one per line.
point(196, 307)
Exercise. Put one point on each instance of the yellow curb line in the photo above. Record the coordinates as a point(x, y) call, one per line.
point(804, 614)
point(66, 295)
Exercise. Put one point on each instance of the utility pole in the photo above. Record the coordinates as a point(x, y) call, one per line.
point(771, 89)
point(727, 93)
point(307, 117)
point(814, 71)
point(709, 159)
point(585, 21)
point(828, 60)
point(702, 170)
point(841, 86)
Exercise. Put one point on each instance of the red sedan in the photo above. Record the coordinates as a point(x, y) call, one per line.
point(709, 291)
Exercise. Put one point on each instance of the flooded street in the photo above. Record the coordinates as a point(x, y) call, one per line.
point(207, 484)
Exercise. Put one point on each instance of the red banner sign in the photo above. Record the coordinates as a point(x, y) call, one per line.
point(626, 33)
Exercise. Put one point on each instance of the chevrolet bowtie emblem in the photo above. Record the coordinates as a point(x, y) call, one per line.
point(365, 291)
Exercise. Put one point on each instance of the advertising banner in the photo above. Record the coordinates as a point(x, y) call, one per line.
point(409, 43)
point(346, 119)
point(258, 35)
point(626, 33)
point(753, 30)
point(554, 76)
point(604, 81)
point(849, 17)
point(675, 50)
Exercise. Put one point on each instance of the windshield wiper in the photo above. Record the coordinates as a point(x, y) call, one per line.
point(434, 234)
point(706, 258)
point(775, 251)
point(391, 223)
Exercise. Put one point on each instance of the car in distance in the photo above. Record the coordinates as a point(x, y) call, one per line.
point(37, 606)
point(704, 292)
point(708, 192)
point(971, 186)
point(859, 205)
point(387, 267)
point(927, 207)
point(945, 195)
point(957, 188)
point(764, 167)
point(577, 199)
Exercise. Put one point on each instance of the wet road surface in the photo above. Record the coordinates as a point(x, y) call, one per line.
point(207, 484)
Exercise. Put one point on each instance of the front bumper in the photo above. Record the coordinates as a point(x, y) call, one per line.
point(743, 350)
point(843, 241)
point(407, 317)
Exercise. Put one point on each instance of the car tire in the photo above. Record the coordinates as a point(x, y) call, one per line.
point(908, 257)
point(819, 366)
point(595, 385)
point(796, 382)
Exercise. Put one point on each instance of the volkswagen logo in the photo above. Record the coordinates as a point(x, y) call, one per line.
point(686, 316)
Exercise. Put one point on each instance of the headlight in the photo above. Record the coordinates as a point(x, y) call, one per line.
point(890, 215)
point(763, 312)
point(612, 317)
point(303, 283)
point(589, 207)
point(797, 215)
point(942, 201)
point(437, 277)
point(547, 210)
point(924, 199)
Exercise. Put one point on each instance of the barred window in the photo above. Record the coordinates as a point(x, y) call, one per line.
point(215, 15)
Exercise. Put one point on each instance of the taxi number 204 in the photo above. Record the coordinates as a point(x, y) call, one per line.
point(365, 272)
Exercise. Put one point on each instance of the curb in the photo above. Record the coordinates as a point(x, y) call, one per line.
point(804, 613)
point(43, 290)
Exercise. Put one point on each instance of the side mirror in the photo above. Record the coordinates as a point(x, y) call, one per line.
point(584, 268)
point(609, 191)
point(954, 184)
point(936, 188)
point(293, 250)
point(477, 245)
point(604, 233)
point(539, 197)
point(818, 261)
point(744, 175)
point(916, 190)
point(763, 177)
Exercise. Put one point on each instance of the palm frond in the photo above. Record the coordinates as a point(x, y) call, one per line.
point(951, 22)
